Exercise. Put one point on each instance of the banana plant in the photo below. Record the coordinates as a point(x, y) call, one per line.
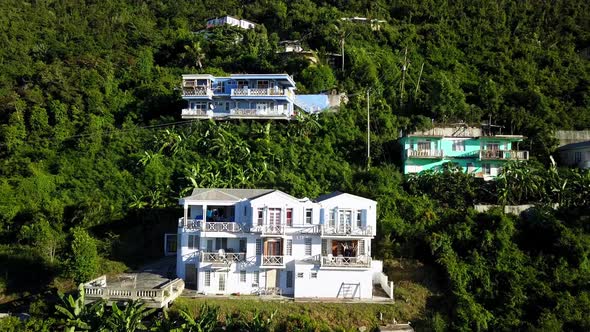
point(76, 316)
point(130, 318)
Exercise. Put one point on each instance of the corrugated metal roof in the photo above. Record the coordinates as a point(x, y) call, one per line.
point(223, 194)
point(574, 146)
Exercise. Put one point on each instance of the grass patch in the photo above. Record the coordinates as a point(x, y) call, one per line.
point(294, 316)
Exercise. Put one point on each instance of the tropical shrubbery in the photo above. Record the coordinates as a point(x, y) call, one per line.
point(93, 151)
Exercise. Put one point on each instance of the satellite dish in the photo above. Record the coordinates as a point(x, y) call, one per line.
point(211, 106)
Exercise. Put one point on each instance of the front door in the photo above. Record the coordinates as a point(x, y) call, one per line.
point(261, 108)
point(273, 248)
point(345, 220)
point(271, 278)
point(190, 272)
point(222, 282)
point(274, 216)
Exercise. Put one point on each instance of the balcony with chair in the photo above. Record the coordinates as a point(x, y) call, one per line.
point(361, 261)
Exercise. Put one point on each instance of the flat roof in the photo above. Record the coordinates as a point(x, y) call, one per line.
point(279, 77)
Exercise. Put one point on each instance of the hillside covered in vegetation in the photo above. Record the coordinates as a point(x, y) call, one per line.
point(94, 154)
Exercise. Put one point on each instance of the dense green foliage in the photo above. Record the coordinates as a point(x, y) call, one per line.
point(93, 151)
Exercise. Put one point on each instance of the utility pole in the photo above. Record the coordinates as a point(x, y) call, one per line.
point(342, 49)
point(404, 68)
point(368, 133)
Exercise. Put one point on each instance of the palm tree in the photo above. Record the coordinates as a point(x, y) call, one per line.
point(194, 52)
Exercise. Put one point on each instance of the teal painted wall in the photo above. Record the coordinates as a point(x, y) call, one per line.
point(468, 157)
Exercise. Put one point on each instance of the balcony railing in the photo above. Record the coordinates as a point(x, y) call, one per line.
point(503, 155)
point(228, 258)
point(193, 112)
point(194, 224)
point(269, 229)
point(218, 226)
point(259, 92)
point(358, 261)
point(347, 230)
point(411, 153)
point(272, 260)
point(211, 226)
point(197, 91)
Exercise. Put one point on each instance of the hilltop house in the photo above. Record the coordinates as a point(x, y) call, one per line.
point(229, 20)
point(250, 96)
point(575, 154)
point(264, 241)
point(477, 150)
point(269, 96)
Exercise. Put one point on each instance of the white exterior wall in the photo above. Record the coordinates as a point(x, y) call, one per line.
point(329, 283)
point(347, 201)
point(329, 280)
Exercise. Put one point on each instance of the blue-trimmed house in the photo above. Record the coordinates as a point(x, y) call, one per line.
point(249, 96)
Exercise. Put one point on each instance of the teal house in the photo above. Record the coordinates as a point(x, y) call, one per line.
point(478, 151)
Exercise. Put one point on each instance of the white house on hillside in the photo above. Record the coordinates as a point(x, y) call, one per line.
point(264, 241)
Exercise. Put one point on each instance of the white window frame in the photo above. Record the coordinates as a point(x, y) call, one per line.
point(258, 247)
point(207, 278)
point(242, 275)
point(260, 216)
point(309, 216)
point(308, 246)
point(289, 248)
point(255, 278)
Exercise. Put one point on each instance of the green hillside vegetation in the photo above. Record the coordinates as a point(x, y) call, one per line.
point(94, 154)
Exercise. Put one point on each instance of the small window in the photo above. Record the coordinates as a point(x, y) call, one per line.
point(308, 216)
point(207, 278)
point(258, 247)
point(299, 275)
point(308, 246)
point(324, 247)
point(289, 279)
point(193, 242)
point(242, 245)
point(459, 145)
point(487, 169)
point(314, 275)
point(243, 276)
point(255, 278)
point(359, 218)
point(289, 247)
point(423, 145)
point(578, 156)
point(289, 217)
point(260, 218)
point(361, 247)
point(245, 208)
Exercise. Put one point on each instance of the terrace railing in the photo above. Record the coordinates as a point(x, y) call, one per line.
point(347, 230)
point(503, 155)
point(356, 262)
point(218, 226)
point(153, 297)
point(272, 260)
point(258, 92)
point(215, 257)
point(411, 153)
